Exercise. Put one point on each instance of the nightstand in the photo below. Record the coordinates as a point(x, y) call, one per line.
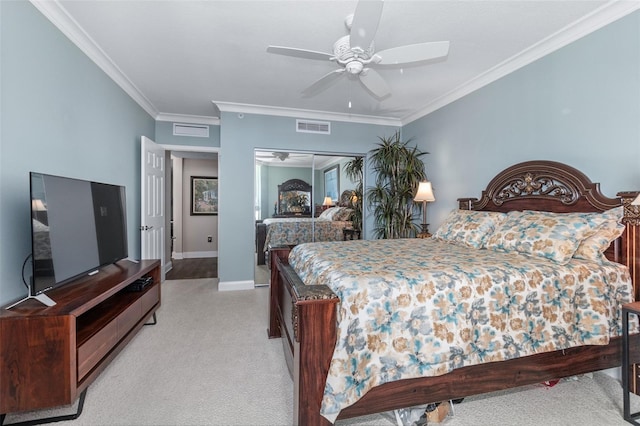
point(350, 234)
point(629, 308)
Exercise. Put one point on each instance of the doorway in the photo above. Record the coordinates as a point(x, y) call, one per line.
point(193, 247)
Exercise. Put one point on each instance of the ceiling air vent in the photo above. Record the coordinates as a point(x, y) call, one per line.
point(308, 126)
point(192, 130)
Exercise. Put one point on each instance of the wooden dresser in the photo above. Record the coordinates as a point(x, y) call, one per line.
point(49, 355)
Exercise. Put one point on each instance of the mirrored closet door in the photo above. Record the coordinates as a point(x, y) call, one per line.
point(304, 197)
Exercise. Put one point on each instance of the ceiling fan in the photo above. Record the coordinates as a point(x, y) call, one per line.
point(280, 155)
point(356, 56)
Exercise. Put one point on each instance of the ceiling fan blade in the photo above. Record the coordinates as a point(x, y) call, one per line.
point(375, 84)
point(413, 53)
point(365, 23)
point(299, 53)
point(323, 83)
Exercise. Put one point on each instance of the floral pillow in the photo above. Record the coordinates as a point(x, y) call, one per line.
point(550, 235)
point(608, 228)
point(344, 213)
point(329, 213)
point(468, 227)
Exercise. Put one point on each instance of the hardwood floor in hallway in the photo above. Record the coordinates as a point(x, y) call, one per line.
point(183, 269)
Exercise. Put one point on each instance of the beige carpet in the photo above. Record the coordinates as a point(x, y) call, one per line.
point(261, 273)
point(208, 361)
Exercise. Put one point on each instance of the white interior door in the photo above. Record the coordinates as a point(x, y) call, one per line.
point(152, 195)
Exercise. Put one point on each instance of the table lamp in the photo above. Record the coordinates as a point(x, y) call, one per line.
point(424, 194)
point(327, 202)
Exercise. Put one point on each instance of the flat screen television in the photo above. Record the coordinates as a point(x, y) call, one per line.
point(77, 226)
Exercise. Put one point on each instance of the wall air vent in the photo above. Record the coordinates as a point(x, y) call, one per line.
point(309, 126)
point(192, 130)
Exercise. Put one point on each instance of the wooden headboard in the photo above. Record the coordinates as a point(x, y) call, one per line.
point(556, 187)
point(293, 185)
point(345, 198)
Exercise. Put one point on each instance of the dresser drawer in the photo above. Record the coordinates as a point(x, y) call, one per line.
point(93, 350)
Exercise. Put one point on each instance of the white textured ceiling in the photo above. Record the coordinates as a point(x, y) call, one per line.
point(185, 58)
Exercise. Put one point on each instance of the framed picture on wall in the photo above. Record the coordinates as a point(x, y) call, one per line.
point(332, 182)
point(204, 195)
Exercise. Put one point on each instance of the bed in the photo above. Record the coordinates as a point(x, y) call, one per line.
point(306, 316)
point(286, 231)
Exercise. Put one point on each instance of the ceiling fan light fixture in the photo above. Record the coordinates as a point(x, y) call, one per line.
point(356, 51)
point(354, 67)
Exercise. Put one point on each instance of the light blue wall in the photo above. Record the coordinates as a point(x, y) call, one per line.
point(580, 105)
point(164, 135)
point(238, 139)
point(60, 114)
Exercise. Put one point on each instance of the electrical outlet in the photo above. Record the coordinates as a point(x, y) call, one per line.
point(209, 239)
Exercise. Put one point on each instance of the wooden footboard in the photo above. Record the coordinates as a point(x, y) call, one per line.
point(261, 236)
point(297, 314)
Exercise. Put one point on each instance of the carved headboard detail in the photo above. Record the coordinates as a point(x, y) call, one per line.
point(631, 237)
point(550, 184)
point(345, 198)
point(293, 187)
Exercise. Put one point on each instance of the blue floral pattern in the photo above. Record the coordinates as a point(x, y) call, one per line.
point(422, 307)
point(285, 231)
point(469, 227)
point(549, 235)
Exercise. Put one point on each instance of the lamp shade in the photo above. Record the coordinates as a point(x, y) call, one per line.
point(327, 201)
point(636, 201)
point(38, 205)
point(424, 192)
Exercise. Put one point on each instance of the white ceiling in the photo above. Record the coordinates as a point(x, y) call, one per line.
point(181, 60)
point(296, 159)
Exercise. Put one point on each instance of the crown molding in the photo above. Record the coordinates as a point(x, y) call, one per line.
point(188, 119)
point(304, 113)
point(604, 15)
point(59, 17)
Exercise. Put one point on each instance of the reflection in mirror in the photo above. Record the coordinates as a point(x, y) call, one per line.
point(304, 197)
point(294, 199)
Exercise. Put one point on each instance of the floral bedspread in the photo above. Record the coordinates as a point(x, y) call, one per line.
point(283, 231)
point(421, 307)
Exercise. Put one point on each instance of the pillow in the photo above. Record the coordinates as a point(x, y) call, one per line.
point(328, 213)
point(553, 236)
point(606, 226)
point(344, 213)
point(469, 227)
point(609, 228)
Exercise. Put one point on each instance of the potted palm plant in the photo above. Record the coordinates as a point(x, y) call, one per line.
point(398, 169)
point(354, 171)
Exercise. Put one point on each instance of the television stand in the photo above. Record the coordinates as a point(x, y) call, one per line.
point(49, 355)
point(53, 419)
point(42, 298)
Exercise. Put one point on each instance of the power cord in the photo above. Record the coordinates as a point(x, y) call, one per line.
point(23, 265)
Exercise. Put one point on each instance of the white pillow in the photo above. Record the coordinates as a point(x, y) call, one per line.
point(329, 213)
